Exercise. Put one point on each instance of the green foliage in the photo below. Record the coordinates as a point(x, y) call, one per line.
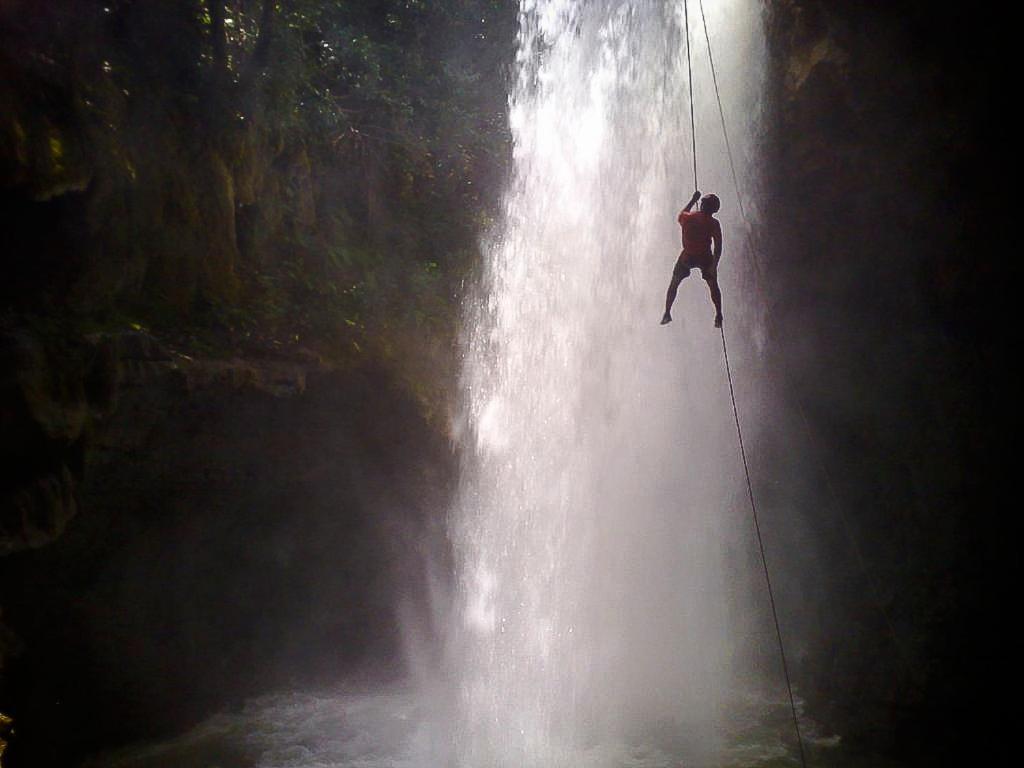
point(275, 169)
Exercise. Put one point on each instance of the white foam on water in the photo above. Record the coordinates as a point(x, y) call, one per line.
point(410, 728)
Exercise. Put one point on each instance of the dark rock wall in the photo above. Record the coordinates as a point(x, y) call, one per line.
point(885, 267)
point(244, 526)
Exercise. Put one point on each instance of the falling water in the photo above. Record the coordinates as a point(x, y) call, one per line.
point(600, 464)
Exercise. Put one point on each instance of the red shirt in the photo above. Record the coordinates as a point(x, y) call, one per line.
point(699, 229)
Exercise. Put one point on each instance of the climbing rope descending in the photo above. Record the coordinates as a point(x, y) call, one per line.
point(732, 391)
point(760, 545)
point(721, 110)
point(728, 150)
point(689, 71)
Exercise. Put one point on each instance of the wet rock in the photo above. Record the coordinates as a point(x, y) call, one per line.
point(873, 131)
point(44, 413)
point(212, 529)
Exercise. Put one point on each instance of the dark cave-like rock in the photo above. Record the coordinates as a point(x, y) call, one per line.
point(243, 525)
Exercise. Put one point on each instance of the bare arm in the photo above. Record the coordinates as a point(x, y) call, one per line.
point(693, 200)
point(716, 239)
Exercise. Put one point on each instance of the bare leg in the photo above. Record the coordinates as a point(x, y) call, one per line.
point(678, 275)
point(716, 297)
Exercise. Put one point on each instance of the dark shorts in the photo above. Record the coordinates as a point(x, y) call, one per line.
point(686, 262)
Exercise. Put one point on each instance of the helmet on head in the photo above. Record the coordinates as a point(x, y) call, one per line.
point(710, 203)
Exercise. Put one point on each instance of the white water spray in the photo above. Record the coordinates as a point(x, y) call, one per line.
point(600, 458)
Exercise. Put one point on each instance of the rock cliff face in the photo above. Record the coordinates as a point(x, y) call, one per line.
point(883, 357)
point(242, 525)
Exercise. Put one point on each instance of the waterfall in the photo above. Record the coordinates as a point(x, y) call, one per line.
point(600, 471)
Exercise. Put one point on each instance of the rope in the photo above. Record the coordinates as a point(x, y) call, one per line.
point(721, 111)
point(689, 70)
point(728, 148)
point(764, 559)
point(732, 391)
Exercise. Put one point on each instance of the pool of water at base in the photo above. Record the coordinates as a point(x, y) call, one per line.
point(398, 728)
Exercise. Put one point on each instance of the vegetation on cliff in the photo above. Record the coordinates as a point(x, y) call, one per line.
point(253, 174)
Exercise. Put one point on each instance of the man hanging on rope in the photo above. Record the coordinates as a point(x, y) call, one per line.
point(700, 230)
